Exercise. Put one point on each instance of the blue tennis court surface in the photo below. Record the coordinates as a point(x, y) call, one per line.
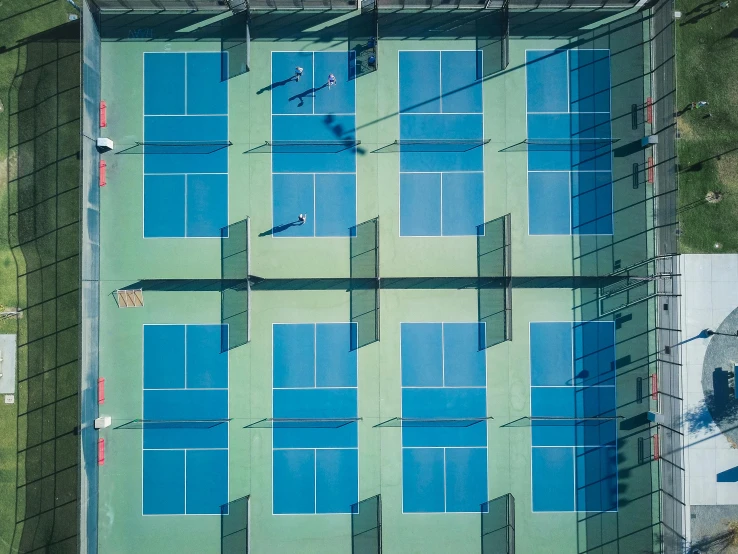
point(185, 101)
point(185, 378)
point(444, 377)
point(441, 191)
point(311, 179)
point(574, 463)
point(315, 468)
point(570, 167)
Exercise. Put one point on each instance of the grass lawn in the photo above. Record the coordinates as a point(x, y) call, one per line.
point(707, 69)
point(18, 20)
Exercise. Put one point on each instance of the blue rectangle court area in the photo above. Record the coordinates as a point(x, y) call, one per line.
point(313, 173)
point(185, 145)
point(441, 186)
point(573, 411)
point(569, 142)
point(315, 405)
point(185, 428)
point(444, 406)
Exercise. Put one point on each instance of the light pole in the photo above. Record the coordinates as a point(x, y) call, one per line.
point(704, 334)
point(710, 332)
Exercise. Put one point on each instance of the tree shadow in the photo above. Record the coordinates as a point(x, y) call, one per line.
point(719, 406)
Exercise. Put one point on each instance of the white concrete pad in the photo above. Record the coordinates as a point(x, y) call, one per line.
point(7, 364)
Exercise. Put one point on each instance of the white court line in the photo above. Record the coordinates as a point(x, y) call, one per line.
point(312, 114)
point(309, 388)
point(443, 336)
point(188, 114)
point(317, 448)
point(189, 388)
point(315, 481)
point(447, 387)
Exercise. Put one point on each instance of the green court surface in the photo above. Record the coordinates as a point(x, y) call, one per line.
point(543, 279)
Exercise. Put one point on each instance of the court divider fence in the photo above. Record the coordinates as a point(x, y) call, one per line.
point(498, 525)
point(494, 273)
point(366, 526)
point(235, 287)
point(364, 282)
point(234, 526)
point(493, 40)
point(362, 39)
point(236, 50)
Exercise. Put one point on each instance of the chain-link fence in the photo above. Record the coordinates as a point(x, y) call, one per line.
point(155, 5)
point(90, 267)
point(664, 164)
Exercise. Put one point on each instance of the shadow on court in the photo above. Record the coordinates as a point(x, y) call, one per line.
point(270, 87)
point(280, 228)
point(306, 94)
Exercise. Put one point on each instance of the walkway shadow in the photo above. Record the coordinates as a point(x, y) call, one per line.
point(280, 228)
point(274, 85)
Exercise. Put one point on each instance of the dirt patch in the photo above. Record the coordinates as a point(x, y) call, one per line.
point(727, 167)
point(686, 131)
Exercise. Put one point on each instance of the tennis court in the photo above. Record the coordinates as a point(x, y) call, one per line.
point(444, 409)
point(315, 434)
point(573, 379)
point(185, 181)
point(384, 367)
point(569, 142)
point(441, 133)
point(185, 379)
point(307, 178)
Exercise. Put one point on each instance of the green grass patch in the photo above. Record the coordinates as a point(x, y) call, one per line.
point(707, 69)
point(18, 21)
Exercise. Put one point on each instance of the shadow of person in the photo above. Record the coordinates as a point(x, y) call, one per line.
point(274, 85)
point(301, 97)
point(280, 228)
point(696, 19)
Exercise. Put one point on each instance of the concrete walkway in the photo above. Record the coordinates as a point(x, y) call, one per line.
point(7, 364)
point(709, 289)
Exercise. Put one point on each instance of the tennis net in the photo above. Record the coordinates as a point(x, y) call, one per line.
point(550, 421)
point(432, 145)
point(418, 422)
point(570, 143)
point(185, 147)
point(302, 423)
point(148, 424)
point(304, 147)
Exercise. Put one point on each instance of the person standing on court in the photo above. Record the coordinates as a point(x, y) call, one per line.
point(298, 73)
point(302, 218)
point(331, 80)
